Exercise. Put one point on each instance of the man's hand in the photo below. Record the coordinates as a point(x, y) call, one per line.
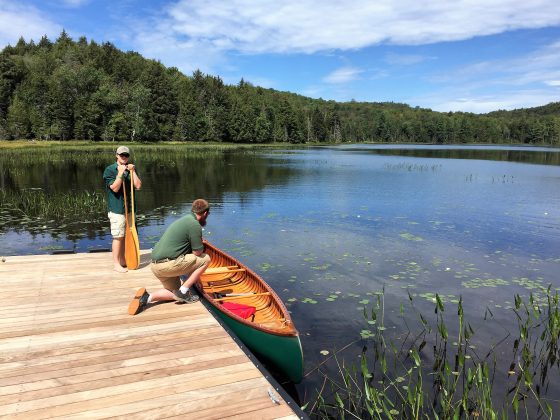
point(121, 169)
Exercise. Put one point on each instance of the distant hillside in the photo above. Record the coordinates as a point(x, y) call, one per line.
point(84, 90)
point(552, 109)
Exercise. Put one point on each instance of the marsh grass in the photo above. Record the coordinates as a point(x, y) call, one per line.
point(111, 147)
point(430, 374)
point(20, 155)
point(37, 204)
point(412, 167)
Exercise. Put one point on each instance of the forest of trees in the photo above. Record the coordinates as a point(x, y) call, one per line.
point(66, 90)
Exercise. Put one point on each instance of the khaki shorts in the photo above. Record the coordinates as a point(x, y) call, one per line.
point(118, 224)
point(168, 272)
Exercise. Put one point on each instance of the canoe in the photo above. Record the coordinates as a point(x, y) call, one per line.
point(253, 311)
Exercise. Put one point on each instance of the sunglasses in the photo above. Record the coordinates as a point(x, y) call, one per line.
point(124, 155)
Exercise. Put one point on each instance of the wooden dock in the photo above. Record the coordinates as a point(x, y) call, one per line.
point(69, 349)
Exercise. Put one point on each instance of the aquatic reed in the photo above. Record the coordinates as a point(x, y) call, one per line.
point(36, 203)
point(433, 375)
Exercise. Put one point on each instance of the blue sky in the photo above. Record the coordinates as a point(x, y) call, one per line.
point(447, 55)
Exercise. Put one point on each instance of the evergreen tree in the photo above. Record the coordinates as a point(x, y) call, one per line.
point(11, 75)
point(18, 123)
point(44, 43)
point(263, 128)
point(61, 97)
point(242, 122)
point(138, 112)
point(319, 130)
point(161, 108)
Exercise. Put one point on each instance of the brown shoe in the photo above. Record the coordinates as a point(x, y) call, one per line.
point(139, 302)
point(188, 297)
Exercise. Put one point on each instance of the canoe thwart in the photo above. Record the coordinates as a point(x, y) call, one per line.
point(222, 270)
point(225, 299)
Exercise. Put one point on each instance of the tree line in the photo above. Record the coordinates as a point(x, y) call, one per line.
point(68, 89)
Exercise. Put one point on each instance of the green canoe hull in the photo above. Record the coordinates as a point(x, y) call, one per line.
point(282, 353)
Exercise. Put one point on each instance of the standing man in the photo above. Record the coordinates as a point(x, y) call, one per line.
point(117, 177)
point(180, 251)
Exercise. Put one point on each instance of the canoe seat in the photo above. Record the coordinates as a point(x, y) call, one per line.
point(222, 270)
point(275, 323)
point(213, 282)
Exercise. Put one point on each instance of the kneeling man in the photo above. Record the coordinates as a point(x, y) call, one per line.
point(178, 254)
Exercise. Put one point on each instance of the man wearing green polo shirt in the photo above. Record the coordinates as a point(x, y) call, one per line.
point(117, 177)
point(179, 252)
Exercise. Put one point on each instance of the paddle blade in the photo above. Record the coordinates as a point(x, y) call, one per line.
point(131, 248)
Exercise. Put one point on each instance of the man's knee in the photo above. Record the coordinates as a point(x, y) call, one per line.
point(205, 260)
point(170, 283)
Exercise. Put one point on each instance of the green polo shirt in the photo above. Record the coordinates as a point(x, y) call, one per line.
point(115, 200)
point(183, 236)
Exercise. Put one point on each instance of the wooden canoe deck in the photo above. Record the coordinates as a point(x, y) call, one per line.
point(69, 348)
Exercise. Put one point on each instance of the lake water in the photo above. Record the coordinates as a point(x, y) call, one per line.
point(329, 227)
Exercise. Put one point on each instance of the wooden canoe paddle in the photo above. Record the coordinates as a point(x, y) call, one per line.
point(131, 243)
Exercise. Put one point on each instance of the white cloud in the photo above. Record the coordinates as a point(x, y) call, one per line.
point(308, 26)
point(161, 43)
point(343, 75)
point(553, 82)
point(24, 21)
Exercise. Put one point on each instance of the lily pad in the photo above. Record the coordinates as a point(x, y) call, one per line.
point(366, 333)
point(309, 300)
point(411, 237)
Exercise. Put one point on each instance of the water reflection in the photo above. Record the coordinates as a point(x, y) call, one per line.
point(537, 155)
point(172, 177)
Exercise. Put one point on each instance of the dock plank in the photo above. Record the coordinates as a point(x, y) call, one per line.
point(70, 349)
